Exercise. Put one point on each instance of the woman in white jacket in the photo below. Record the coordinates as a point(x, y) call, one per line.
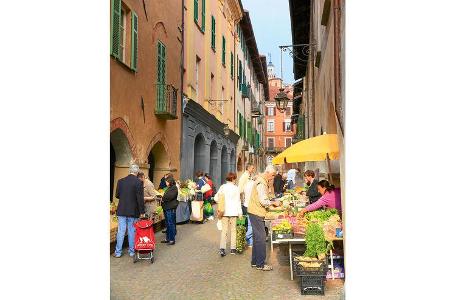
point(229, 195)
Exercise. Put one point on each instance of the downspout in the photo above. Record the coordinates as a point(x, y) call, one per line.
point(182, 83)
point(234, 86)
point(337, 60)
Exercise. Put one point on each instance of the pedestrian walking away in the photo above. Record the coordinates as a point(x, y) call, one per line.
point(228, 212)
point(257, 210)
point(130, 192)
point(169, 204)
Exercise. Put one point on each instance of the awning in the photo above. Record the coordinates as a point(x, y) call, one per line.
point(313, 149)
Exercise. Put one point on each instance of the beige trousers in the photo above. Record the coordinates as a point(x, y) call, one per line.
point(228, 222)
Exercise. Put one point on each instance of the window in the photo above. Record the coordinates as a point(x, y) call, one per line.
point(213, 33)
point(288, 111)
point(197, 70)
point(223, 50)
point(196, 9)
point(124, 34)
point(288, 142)
point(232, 66)
point(161, 76)
point(271, 125)
point(287, 126)
point(270, 111)
point(270, 142)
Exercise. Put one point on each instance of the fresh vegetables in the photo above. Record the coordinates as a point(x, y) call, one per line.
point(283, 227)
point(321, 215)
point(159, 210)
point(315, 240)
point(240, 238)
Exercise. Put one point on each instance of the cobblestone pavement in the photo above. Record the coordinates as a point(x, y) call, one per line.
point(193, 269)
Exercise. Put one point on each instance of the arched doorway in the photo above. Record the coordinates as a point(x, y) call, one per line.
point(232, 161)
point(112, 167)
point(213, 162)
point(199, 154)
point(159, 163)
point(120, 158)
point(224, 164)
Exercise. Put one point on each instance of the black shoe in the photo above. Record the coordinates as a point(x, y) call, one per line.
point(164, 241)
point(171, 243)
point(222, 252)
point(233, 251)
point(164, 231)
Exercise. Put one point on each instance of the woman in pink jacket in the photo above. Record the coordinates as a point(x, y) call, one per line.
point(331, 198)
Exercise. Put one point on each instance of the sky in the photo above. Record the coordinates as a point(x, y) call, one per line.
point(271, 23)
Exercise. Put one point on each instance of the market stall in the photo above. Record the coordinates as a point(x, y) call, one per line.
point(186, 194)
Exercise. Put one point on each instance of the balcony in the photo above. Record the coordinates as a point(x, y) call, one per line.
point(256, 109)
point(275, 149)
point(245, 89)
point(166, 101)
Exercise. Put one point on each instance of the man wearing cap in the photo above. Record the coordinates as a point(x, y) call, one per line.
point(130, 192)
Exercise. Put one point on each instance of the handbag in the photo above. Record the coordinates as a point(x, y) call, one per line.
point(221, 205)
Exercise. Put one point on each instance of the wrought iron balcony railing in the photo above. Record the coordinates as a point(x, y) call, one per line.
point(274, 149)
point(166, 101)
point(256, 109)
point(245, 90)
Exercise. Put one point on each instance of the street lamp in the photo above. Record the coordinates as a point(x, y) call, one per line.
point(281, 100)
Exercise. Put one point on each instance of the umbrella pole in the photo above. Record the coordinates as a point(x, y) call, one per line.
point(329, 170)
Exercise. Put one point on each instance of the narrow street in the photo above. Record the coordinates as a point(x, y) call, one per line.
point(193, 269)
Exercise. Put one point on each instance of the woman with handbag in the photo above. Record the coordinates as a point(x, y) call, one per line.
point(229, 210)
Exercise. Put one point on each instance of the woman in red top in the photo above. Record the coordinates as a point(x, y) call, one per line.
point(208, 198)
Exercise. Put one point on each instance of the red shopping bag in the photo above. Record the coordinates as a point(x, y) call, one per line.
point(144, 239)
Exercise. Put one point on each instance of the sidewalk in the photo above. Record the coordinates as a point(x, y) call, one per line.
point(193, 269)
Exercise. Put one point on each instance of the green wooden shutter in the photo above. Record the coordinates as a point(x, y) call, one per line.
point(134, 41)
point(213, 32)
point(203, 15)
point(116, 8)
point(196, 11)
point(223, 50)
point(232, 65)
point(240, 75)
point(161, 77)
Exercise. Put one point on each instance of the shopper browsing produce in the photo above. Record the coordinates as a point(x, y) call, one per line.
point(312, 193)
point(229, 210)
point(331, 198)
point(257, 210)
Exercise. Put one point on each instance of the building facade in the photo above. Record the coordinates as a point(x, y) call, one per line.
point(279, 133)
point(145, 84)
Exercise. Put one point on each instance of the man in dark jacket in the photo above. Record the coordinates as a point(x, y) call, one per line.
point(130, 192)
point(278, 185)
point(312, 192)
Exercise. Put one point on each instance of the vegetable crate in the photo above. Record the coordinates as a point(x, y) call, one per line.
point(312, 285)
point(276, 235)
point(302, 269)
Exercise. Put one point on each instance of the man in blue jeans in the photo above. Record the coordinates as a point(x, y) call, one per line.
point(130, 192)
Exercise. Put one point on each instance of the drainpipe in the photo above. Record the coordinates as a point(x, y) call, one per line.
point(337, 61)
point(182, 82)
point(234, 86)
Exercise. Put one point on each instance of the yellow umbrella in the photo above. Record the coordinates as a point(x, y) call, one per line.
point(322, 147)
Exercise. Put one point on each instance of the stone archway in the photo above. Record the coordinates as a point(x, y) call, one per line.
point(214, 162)
point(232, 161)
point(120, 157)
point(223, 164)
point(159, 163)
point(199, 154)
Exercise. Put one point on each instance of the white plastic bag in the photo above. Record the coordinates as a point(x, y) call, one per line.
point(219, 224)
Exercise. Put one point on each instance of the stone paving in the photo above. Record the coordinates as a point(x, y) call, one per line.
point(193, 269)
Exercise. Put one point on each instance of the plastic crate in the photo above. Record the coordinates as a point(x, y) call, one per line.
point(312, 285)
point(310, 271)
point(279, 236)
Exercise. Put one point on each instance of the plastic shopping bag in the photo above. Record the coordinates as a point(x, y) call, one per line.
point(219, 225)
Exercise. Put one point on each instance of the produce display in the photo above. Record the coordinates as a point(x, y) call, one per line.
point(283, 227)
point(315, 240)
point(159, 210)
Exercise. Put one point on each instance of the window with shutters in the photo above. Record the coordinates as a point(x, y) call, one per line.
point(270, 142)
point(270, 111)
point(287, 142)
point(200, 7)
point(239, 74)
point(287, 126)
point(124, 34)
point(213, 33)
point(223, 50)
point(232, 66)
point(270, 125)
point(161, 77)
